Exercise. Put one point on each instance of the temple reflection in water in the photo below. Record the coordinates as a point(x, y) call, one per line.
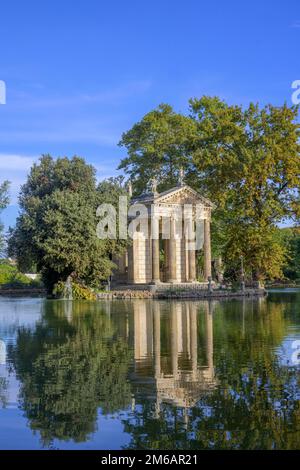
point(173, 359)
point(161, 374)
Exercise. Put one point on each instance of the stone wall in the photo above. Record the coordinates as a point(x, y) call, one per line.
point(181, 293)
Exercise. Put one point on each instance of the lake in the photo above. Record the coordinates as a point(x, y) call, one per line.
point(146, 374)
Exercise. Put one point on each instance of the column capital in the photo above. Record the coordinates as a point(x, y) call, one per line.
point(207, 213)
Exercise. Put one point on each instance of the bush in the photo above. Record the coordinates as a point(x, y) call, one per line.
point(11, 278)
point(79, 291)
point(82, 292)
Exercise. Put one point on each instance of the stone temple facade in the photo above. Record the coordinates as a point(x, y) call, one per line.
point(163, 248)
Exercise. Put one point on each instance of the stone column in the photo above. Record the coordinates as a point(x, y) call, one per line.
point(174, 341)
point(156, 327)
point(155, 250)
point(185, 329)
point(193, 337)
point(191, 255)
point(172, 252)
point(185, 261)
point(207, 250)
point(136, 247)
point(130, 270)
point(166, 254)
point(192, 265)
point(209, 335)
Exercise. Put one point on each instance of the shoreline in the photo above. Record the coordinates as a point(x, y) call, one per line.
point(22, 292)
point(169, 294)
point(184, 295)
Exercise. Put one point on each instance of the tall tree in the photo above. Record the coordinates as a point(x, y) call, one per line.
point(245, 160)
point(157, 146)
point(248, 162)
point(4, 200)
point(56, 229)
point(291, 238)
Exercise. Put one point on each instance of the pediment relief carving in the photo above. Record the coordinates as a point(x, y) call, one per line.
point(182, 196)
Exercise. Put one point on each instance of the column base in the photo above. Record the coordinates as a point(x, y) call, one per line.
point(155, 283)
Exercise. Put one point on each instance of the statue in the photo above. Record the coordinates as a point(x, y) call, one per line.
point(154, 185)
point(181, 177)
point(129, 188)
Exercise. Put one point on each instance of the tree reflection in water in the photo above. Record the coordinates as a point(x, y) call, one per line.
point(72, 364)
point(183, 375)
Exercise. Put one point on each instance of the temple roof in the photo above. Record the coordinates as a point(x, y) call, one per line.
point(178, 195)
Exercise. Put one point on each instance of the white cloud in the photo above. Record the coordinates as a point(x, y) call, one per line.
point(46, 117)
point(14, 162)
point(296, 24)
point(14, 168)
point(104, 131)
point(112, 96)
point(96, 136)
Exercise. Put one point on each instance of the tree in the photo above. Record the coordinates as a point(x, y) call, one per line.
point(245, 160)
point(291, 237)
point(157, 146)
point(4, 200)
point(248, 161)
point(56, 229)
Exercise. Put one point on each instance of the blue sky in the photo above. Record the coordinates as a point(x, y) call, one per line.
point(79, 73)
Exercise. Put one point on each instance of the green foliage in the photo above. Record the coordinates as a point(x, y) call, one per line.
point(4, 201)
point(262, 248)
point(56, 229)
point(11, 278)
point(248, 162)
point(108, 192)
point(3, 392)
point(79, 291)
point(291, 238)
point(157, 146)
point(245, 160)
point(60, 290)
point(82, 292)
point(4, 198)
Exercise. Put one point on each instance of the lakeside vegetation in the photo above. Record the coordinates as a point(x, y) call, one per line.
point(12, 278)
point(56, 228)
point(245, 160)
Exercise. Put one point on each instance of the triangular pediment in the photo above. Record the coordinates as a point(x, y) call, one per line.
point(182, 195)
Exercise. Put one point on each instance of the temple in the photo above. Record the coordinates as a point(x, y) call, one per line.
point(162, 249)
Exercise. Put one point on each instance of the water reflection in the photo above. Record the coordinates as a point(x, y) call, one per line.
point(173, 374)
point(70, 365)
point(167, 353)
